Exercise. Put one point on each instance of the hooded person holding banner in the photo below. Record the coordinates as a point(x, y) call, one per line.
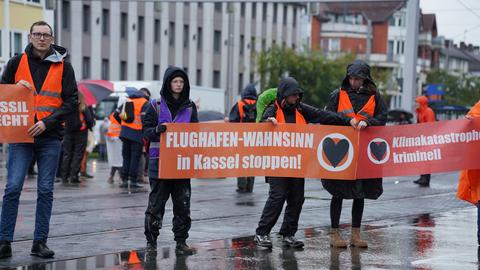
point(287, 108)
point(469, 184)
point(174, 106)
point(359, 100)
point(43, 70)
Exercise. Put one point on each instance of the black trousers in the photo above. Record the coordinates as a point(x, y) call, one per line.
point(291, 190)
point(245, 183)
point(161, 189)
point(74, 145)
point(336, 212)
point(131, 152)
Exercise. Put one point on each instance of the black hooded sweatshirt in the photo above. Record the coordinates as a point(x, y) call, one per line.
point(39, 69)
point(248, 92)
point(289, 86)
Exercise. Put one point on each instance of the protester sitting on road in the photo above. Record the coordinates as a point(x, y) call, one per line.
point(425, 114)
point(287, 108)
point(359, 99)
point(469, 184)
point(174, 106)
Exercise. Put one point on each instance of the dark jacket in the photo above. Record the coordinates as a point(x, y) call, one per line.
point(248, 92)
point(289, 86)
point(366, 188)
point(72, 121)
point(39, 70)
point(150, 115)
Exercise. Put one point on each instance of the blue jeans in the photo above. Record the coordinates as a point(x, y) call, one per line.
point(47, 152)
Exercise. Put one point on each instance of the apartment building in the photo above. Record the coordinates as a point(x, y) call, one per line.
point(137, 40)
point(16, 17)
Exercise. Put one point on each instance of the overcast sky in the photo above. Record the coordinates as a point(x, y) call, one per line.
point(456, 19)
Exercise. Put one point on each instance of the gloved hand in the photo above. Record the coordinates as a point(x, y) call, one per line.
point(161, 128)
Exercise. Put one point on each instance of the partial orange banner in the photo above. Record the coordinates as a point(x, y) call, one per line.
point(16, 114)
point(317, 151)
point(249, 149)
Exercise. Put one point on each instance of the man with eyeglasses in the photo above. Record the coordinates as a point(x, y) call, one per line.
point(41, 69)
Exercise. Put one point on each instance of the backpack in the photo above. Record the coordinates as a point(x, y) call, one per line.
point(249, 112)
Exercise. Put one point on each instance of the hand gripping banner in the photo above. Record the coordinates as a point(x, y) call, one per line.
point(317, 151)
point(16, 114)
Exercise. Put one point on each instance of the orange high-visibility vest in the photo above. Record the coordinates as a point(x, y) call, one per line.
point(114, 127)
point(83, 122)
point(299, 119)
point(137, 111)
point(345, 107)
point(240, 105)
point(49, 98)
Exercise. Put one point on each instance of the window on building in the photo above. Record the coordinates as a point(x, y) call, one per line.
point(275, 12)
point(252, 45)
point(285, 14)
point(242, 44)
point(156, 72)
point(403, 47)
point(199, 38)
point(199, 77)
point(105, 69)
point(264, 45)
point(216, 79)
point(86, 67)
point(34, 1)
point(398, 47)
point(294, 17)
point(218, 7)
point(217, 41)
point(86, 18)
point(264, 12)
point(66, 15)
point(334, 45)
point(240, 82)
point(391, 21)
point(400, 21)
point(185, 69)
point(254, 10)
point(141, 28)
point(171, 34)
point(252, 77)
point(200, 5)
point(390, 50)
point(17, 43)
point(139, 71)
point(123, 25)
point(242, 9)
point(156, 34)
point(186, 36)
point(123, 70)
point(105, 22)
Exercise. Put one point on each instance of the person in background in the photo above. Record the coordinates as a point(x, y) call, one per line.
point(425, 114)
point(245, 111)
point(102, 142)
point(114, 147)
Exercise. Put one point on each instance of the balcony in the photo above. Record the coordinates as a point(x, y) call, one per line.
point(425, 39)
point(343, 29)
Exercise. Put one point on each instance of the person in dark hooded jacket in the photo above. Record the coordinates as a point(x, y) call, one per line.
point(358, 99)
point(245, 111)
point(288, 109)
point(131, 136)
point(174, 106)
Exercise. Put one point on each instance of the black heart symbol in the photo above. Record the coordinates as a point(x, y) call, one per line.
point(378, 149)
point(335, 152)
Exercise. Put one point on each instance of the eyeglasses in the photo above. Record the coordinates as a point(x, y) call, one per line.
point(40, 35)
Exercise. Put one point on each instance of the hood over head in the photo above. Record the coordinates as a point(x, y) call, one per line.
point(170, 73)
point(359, 68)
point(288, 86)
point(422, 101)
point(249, 92)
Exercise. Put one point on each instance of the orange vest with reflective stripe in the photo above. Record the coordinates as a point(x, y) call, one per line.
point(137, 112)
point(345, 107)
point(83, 122)
point(299, 119)
point(240, 105)
point(49, 98)
point(114, 127)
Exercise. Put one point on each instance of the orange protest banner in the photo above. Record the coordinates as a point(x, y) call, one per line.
point(227, 150)
point(16, 114)
point(317, 151)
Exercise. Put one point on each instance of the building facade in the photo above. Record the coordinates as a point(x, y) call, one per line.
point(136, 40)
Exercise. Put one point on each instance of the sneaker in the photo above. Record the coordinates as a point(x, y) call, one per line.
point(135, 185)
point(5, 249)
point(183, 249)
point(40, 249)
point(293, 242)
point(263, 241)
point(124, 184)
point(110, 180)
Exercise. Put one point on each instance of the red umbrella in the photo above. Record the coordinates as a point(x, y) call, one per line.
point(95, 90)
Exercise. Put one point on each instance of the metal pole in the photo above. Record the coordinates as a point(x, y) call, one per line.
point(229, 93)
point(410, 70)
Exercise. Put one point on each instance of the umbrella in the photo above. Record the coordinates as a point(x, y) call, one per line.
point(209, 116)
point(400, 115)
point(95, 90)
